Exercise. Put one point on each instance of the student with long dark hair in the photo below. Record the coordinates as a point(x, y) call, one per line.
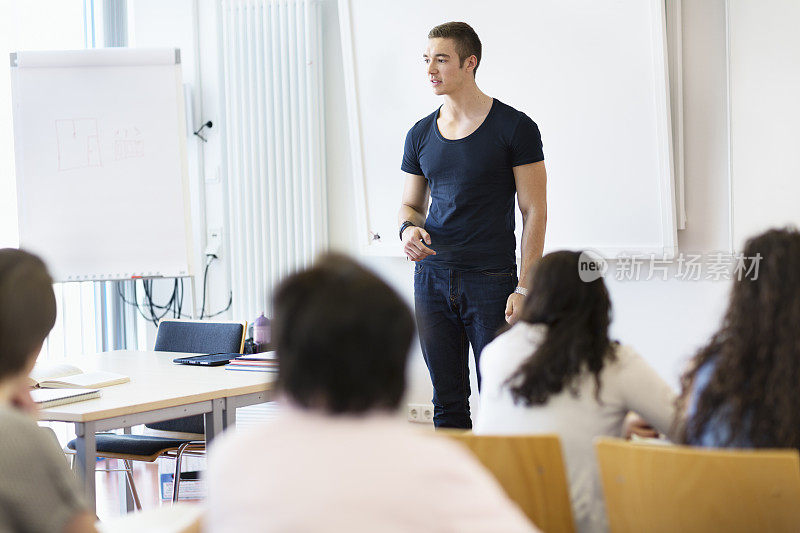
point(742, 389)
point(557, 371)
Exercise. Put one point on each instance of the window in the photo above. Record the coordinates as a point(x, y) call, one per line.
point(46, 25)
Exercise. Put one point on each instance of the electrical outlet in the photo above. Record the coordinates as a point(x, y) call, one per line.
point(214, 241)
point(420, 412)
point(213, 174)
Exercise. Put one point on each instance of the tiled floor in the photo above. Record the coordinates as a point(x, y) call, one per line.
point(109, 487)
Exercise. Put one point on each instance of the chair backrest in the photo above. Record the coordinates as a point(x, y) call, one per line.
point(680, 488)
point(199, 336)
point(530, 468)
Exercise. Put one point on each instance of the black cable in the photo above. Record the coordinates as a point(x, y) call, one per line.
point(177, 298)
point(149, 291)
point(204, 126)
point(180, 301)
point(135, 301)
point(175, 302)
point(230, 302)
point(211, 258)
point(155, 318)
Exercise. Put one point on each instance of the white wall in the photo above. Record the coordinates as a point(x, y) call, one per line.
point(665, 320)
point(765, 81)
point(191, 25)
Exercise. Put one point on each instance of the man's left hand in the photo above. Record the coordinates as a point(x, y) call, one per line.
point(514, 307)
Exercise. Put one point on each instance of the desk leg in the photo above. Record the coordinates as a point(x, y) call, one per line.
point(86, 448)
point(214, 420)
point(126, 490)
point(229, 418)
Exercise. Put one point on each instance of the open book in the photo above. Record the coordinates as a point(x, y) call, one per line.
point(65, 376)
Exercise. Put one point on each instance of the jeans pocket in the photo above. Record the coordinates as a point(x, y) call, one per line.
point(418, 266)
point(502, 273)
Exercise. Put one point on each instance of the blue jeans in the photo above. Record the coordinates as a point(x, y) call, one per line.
point(455, 309)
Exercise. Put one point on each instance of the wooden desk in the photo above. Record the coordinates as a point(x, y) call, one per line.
point(159, 390)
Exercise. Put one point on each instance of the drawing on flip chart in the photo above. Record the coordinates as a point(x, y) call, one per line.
point(128, 143)
point(78, 143)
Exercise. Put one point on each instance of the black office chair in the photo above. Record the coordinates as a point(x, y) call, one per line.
point(185, 336)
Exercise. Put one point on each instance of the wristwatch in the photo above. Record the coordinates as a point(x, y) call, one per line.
point(521, 290)
point(403, 227)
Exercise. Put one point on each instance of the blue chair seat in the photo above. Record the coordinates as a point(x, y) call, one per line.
point(187, 424)
point(143, 445)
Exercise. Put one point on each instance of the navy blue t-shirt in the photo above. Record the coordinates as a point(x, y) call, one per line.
point(471, 217)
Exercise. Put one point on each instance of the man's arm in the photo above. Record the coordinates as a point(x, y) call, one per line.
point(531, 181)
point(413, 208)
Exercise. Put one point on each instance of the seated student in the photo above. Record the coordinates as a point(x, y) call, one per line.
point(557, 371)
point(38, 492)
point(339, 457)
point(741, 390)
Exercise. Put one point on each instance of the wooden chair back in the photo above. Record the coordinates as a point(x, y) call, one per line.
point(679, 488)
point(530, 468)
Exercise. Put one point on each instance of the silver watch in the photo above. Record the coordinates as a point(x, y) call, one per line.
point(521, 290)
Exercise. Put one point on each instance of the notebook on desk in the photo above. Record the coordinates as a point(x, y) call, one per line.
point(45, 398)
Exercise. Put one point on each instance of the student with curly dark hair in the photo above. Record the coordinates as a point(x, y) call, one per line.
point(741, 390)
point(557, 371)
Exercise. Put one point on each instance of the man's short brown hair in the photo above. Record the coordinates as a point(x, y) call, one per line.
point(467, 41)
point(27, 308)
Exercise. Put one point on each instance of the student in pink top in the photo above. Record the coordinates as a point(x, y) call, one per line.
point(339, 457)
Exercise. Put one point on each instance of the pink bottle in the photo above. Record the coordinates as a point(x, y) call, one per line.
point(262, 333)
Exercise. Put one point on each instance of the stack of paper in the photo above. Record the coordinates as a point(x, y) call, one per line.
point(258, 362)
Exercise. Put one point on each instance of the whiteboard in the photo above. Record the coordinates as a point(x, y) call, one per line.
point(592, 75)
point(764, 78)
point(100, 147)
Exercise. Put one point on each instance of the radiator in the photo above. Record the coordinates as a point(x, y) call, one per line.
point(273, 144)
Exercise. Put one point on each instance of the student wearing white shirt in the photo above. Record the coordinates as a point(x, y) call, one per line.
point(557, 371)
point(338, 457)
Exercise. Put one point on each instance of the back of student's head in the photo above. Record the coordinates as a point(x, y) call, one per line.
point(27, 309)
point(342, 337)
point(756, 352)
point(577, 314)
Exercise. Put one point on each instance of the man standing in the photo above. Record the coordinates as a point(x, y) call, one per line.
point(468, 158)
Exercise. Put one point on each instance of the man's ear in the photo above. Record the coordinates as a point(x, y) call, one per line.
point(471, 63)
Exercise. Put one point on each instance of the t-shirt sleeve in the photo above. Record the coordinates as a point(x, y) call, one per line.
point(38, 492)
point(526, 143)
point(411, 156)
